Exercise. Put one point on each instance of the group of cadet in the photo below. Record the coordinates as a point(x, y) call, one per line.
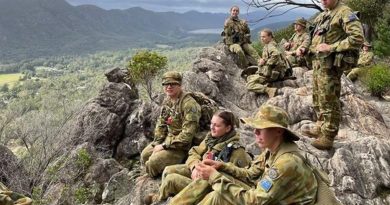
point(331, 49)
point(218, 170)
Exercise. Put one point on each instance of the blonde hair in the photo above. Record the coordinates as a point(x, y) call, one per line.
point(267, 31)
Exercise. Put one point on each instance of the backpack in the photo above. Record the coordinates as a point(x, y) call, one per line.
point(208, 108)
point(325, 195)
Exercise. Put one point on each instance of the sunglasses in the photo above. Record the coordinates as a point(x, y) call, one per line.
point(170, 84)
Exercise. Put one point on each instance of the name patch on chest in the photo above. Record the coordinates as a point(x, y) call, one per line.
point(266, 184)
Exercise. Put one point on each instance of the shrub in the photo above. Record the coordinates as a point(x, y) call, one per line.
point(82, 194)
point(377, 79)
point(84, 159)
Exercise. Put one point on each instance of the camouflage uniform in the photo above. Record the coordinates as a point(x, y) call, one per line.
point(298, 40)
point(177, 177)
point(175, 129)
point(365, 59)
point(8, 197)
point(285, 180)
point(274, 69)
point(341, 29)
point(237, 38)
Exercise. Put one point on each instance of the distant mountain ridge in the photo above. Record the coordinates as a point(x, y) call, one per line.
point(34, 28)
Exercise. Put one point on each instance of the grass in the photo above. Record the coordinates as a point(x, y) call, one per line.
point(10, 79)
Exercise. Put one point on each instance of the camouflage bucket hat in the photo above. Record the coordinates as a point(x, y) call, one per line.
point(171, 77)
point(271, 116)
point(301, 21)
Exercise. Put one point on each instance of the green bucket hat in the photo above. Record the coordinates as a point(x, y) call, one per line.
point(270, 116)
point(171, 77)
point(301, 21)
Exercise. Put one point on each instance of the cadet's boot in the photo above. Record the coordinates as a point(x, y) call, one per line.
point(271, 92)
point(150, 199)
point(311, 130)
point(323, 143)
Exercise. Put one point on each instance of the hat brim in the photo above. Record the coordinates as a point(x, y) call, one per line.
point(300, 24)
point(263, 124)
point(171, 81)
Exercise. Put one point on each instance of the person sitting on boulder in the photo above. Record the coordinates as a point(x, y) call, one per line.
point(222, 143)
point(366, 57)
point(280, 175)
point(271, 66)
point(298, 44)
point(8, 197)
point(176, 126)
point(236, 35)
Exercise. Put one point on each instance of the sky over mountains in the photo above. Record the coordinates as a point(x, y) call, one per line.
point(213, 6)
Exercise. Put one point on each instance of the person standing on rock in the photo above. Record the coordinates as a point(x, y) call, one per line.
point(237, 37)
point(335, 45)
point(222, 143)
point(280, 175)
point(176, 126)
point(271, 66)
point(366, 56)
point(298, 45)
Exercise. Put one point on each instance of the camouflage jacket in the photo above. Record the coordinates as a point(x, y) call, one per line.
point(238, 155)
point(176, 126)
point(273, 57)
point(365, 58)
point(236, 31)
point(338, 27)
point(286, 179)
point(299, 40)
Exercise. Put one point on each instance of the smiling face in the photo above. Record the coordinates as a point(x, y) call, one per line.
point(172, 90)
point(298, 27)
point(265, 37)
point(218, 128)
point(234, 11)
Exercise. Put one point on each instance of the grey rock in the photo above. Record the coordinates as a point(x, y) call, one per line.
point(117, 187)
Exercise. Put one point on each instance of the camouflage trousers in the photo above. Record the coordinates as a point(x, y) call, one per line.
point(12, 198)
point(256, 83)
point(242, 51)
point(155, 163)
point(326, 95)
point(296, 61)
point(200, 192)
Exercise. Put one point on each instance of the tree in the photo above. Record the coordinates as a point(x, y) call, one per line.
point(370, 12)
point(143, 68)
point(280, 7)
point(382, 27)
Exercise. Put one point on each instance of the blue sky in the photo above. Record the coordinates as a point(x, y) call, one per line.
point(214, 6)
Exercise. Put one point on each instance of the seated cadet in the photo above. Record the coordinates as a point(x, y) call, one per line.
point(237, 37)
point(8, 197)
point(222, 143)
point(366, 57)
point(286, 179)
point(175, 128)
point(298, 44)
point(271, 66)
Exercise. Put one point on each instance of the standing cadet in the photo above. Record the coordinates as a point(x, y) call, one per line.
point(285, 178)
point(175, 128)
point(334, 47)
point(298, 45)
point(237, 37)
point(222, 143)
point(366, 57)
point(271, 66)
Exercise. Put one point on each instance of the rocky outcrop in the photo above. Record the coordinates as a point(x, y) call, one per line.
point(114, 127)
point(12, 172)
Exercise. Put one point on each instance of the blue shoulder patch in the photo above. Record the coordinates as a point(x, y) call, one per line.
point(352, 17)
point(265, 184)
